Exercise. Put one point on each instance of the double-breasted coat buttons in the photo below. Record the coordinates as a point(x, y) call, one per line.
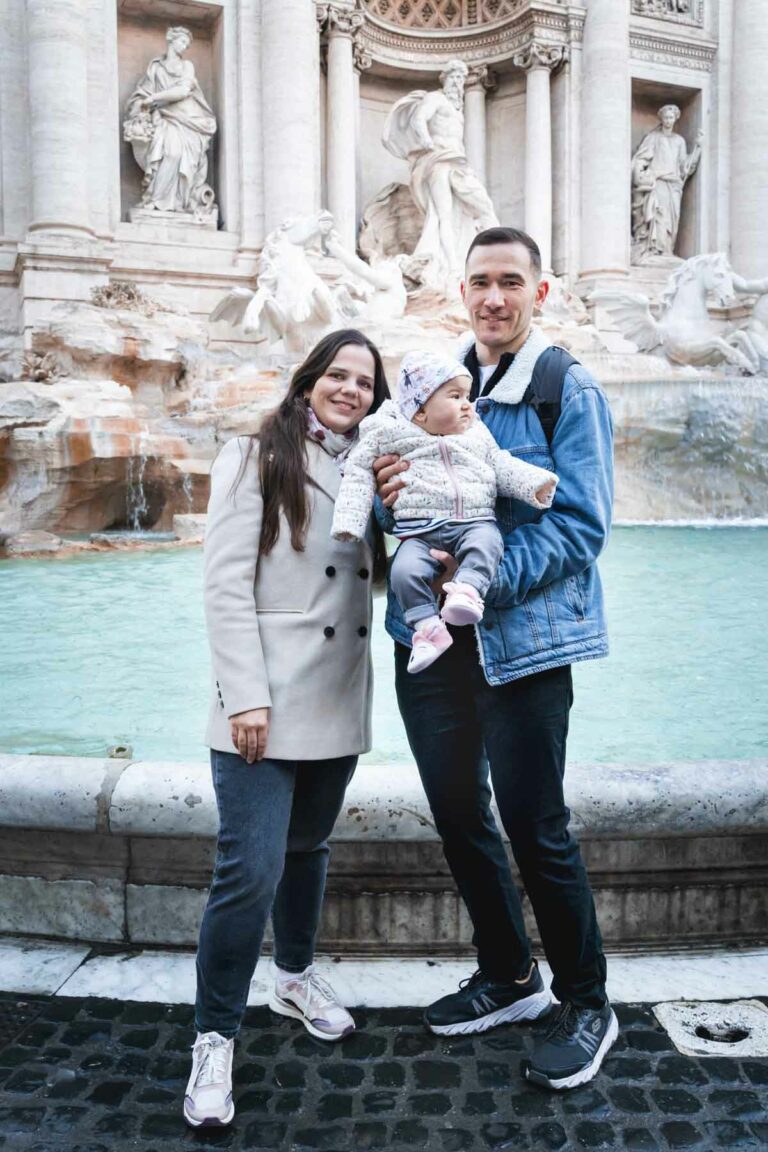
point(330, 570)
point(328, 632)
point(362, 631)
point(363, 573)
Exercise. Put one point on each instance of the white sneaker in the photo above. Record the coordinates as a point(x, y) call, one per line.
point(208, 1099)
point(309, 998)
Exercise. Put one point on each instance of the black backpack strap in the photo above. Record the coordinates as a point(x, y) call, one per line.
point(545, 391)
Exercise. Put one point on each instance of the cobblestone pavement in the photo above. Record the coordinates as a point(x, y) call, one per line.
point(99, 1075)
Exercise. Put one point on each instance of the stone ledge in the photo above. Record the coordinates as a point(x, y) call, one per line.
point(120, 851)
point(384, 802)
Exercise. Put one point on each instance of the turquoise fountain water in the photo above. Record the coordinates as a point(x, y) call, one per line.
point(105, 649)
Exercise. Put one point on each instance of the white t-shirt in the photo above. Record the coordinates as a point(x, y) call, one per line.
point(486, 371)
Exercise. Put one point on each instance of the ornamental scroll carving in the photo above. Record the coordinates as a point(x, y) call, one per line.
point(683, 11)
point(443, 14)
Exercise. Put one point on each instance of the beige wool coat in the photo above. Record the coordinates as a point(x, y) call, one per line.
point(288, 631)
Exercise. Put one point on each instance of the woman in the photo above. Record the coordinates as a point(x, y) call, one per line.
point(288, 611)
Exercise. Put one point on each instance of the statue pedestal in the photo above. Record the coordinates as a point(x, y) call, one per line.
point(142, 215)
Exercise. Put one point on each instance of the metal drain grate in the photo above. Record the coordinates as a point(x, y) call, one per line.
point(15, 1016)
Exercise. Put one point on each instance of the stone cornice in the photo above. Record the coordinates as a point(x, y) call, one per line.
point(674, 51)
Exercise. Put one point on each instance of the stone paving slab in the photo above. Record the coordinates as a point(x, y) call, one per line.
point(94, 1075)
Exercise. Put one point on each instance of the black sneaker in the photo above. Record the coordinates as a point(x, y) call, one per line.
point(481, 1003)
point(574, 1047)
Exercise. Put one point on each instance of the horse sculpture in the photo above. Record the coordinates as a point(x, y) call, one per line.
point(684, 332)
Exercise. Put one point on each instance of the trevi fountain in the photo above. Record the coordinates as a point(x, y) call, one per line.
point(192, 193)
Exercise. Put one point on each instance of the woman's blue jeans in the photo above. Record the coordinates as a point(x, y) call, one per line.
point(275, 818)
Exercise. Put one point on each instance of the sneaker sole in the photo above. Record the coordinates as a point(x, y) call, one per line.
point(284, 1009)
point(210, 1121)
point(530, 1008)
point(584, 1074)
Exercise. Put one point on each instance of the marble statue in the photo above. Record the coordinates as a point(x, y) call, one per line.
point(169, 125)
point(752, 338)
point(378, 286)
point(295, 304)
point(684, 332)
point(291, 302)
point(427, 130)
point(660, 167)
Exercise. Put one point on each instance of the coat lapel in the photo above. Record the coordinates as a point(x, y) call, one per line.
point(323, 470)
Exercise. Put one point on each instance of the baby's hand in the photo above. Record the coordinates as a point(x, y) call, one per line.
point(546, 493)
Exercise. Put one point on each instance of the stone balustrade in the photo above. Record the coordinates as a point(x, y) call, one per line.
point(118, 851)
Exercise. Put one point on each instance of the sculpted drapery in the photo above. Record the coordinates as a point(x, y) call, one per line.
point(660, 167)
point(170, 125)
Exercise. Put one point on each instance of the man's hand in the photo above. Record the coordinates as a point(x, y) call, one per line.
point(450, 565)
point(249, 732)
point(386, 469)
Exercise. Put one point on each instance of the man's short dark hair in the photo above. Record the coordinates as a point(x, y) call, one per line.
point(508, 236)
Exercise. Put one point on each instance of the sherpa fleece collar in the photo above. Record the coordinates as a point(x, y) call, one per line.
point(511, 388)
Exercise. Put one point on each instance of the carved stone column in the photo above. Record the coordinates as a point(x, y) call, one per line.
point(58, 109)
point(290, 97)
point(479, 80)
point(538, 60)
point(342, 22)
point(749, 140)
point(605, 143)
point(363, 61)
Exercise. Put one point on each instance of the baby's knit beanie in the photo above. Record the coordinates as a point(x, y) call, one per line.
point(421, 374)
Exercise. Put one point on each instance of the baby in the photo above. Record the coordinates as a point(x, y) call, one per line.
point(456, 469)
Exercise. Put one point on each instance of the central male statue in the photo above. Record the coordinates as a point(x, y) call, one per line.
point(427, 130)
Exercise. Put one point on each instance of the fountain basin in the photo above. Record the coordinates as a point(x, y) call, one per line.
point(117, 851)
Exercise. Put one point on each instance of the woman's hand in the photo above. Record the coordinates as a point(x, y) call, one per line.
point(249, 733)
point(388, 484)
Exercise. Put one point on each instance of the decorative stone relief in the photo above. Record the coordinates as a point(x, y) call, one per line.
point(480, 76)
point(538, 55)
point(169, 125)
point(683, 11)
point(660, 168)
point(343, 16)
point(437, 14)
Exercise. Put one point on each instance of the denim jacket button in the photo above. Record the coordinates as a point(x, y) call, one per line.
point(488, 624)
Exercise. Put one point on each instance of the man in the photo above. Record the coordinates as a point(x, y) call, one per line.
point(660, 167)
point(427, 130)
point(503, 691)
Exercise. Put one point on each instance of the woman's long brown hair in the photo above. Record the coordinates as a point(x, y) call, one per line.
point(282, 440)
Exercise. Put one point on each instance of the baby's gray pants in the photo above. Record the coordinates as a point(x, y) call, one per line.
point(476, 544)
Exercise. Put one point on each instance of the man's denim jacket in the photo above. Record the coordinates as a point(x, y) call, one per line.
point(545, 606)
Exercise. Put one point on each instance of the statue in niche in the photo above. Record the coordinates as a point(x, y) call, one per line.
point(427, 130)
point(660, 168)
point(169, 125)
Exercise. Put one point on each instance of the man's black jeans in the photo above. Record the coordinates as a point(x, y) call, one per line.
point(452, 717)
